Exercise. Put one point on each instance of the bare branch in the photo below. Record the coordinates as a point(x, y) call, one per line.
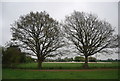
point(89, 34)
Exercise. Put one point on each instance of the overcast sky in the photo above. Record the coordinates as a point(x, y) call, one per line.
point(11, 11)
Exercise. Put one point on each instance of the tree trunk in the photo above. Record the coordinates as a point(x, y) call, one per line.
point(85, 65)
point(39, 64)
point(40, 60)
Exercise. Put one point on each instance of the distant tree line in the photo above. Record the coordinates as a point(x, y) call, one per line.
point(109, 60)
point(79, 59)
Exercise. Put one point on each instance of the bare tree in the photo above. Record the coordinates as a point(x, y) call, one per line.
point(89, 34)
point(39, 33)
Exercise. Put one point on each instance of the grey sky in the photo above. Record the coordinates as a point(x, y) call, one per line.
point(11, 11)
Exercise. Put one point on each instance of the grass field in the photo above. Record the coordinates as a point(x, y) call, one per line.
point(24, 71)
point(67, 65)
point(27, 74)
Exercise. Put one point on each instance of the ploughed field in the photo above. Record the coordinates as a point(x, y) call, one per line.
point(62, 71)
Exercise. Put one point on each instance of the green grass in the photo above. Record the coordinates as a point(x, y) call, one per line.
point(25, 74)
point(67, 65)
point(28, 74)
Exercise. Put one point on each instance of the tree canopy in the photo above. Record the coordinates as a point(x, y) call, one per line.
point(38, 32)
point(88, 33)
